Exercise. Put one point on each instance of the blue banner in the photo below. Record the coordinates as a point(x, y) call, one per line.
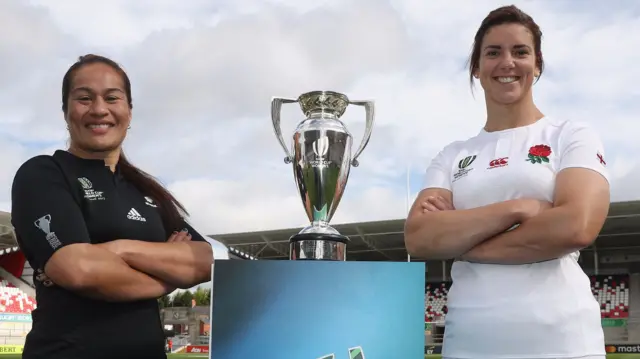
point(9, 317)
point(317, 309)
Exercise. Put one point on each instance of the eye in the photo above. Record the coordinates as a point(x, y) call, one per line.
point(522, 52)
point(84, 98)
point(112, 98)
point(492, 53)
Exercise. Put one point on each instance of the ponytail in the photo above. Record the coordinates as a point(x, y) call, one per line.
point(168, 205)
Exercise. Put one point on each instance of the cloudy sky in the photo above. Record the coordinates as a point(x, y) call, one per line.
point(203, 74)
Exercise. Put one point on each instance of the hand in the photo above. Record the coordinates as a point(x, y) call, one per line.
point(434, 204)
point(42, 277)
point(182, 236)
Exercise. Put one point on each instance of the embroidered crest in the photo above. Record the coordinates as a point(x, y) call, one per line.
point(539, 154)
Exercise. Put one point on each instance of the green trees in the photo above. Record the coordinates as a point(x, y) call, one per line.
point(185, 298)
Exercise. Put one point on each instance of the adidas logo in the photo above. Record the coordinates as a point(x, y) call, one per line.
point(135, 215)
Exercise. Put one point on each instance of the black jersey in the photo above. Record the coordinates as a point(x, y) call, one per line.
point(61, 200)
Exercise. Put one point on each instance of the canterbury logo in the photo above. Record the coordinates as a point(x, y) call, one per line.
point(464, 163)
point(321, 146)
point(499, 162)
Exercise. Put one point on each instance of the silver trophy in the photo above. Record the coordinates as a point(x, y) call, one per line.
point(321, 163)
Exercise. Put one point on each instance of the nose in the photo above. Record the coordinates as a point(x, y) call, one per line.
point(98, 108)
point(507, 62)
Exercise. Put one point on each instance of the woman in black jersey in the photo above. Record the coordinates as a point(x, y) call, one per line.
point(105, 239)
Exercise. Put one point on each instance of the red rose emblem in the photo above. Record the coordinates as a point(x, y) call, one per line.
point(539, 154)
point(540, 150)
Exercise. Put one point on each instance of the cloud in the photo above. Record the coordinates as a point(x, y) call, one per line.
point(203, 75)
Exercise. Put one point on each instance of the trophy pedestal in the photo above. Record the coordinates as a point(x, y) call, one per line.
point(318, 246)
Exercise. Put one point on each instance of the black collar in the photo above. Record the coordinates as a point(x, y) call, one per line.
point(87, 163)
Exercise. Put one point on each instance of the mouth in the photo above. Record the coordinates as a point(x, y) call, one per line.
point(507, 79)
point(99, 126)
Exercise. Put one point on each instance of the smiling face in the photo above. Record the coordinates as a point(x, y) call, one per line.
point(507, 64)
point(98, 112)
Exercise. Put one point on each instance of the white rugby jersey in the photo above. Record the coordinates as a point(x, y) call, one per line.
point(541, 310)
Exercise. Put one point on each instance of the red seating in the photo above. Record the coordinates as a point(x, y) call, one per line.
point(612, 292)
point(14, 300)
point(435, 301)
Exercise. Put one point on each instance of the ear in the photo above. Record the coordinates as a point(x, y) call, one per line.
point(538, 64)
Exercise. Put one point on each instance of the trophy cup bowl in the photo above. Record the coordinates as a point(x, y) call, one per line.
point(321, 160)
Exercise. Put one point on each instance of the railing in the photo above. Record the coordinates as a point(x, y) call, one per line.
point(180, 340)
point(433, 333)
point(202, 340)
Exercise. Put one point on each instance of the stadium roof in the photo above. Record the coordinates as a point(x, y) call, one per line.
point(384, 240)
point(8, 241)
point(379, 240)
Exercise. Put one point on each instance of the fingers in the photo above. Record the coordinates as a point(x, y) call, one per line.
point(433, 204)
point(41, 277)
point(428, 207)
point(181, 236)
point(441, 203)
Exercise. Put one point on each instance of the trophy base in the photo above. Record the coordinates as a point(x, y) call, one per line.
point(318, 247)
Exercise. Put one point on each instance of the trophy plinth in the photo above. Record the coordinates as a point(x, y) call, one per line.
point(318, 246)
point(321, 162)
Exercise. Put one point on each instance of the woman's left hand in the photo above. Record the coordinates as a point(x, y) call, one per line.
point(182, 236)
point(434, 204)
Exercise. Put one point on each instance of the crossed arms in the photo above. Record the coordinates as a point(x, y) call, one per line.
point(119, 271)
point(129, 270)
point(435, 230)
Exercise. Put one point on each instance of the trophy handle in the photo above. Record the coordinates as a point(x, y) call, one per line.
point(369, 108)
point(276, 105)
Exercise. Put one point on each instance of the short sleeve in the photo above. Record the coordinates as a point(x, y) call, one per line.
point(438, 173)
point(44, 214)
point(581, 147)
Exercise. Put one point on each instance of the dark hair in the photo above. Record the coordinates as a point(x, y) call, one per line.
point(506, 15)
point(168, 205)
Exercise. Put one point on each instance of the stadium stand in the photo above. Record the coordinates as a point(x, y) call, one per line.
point(16, 289)
point(435, 301)
point(612, 292)
point(13, 300)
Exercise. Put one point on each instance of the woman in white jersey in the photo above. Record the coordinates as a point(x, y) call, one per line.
point(514, 205)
